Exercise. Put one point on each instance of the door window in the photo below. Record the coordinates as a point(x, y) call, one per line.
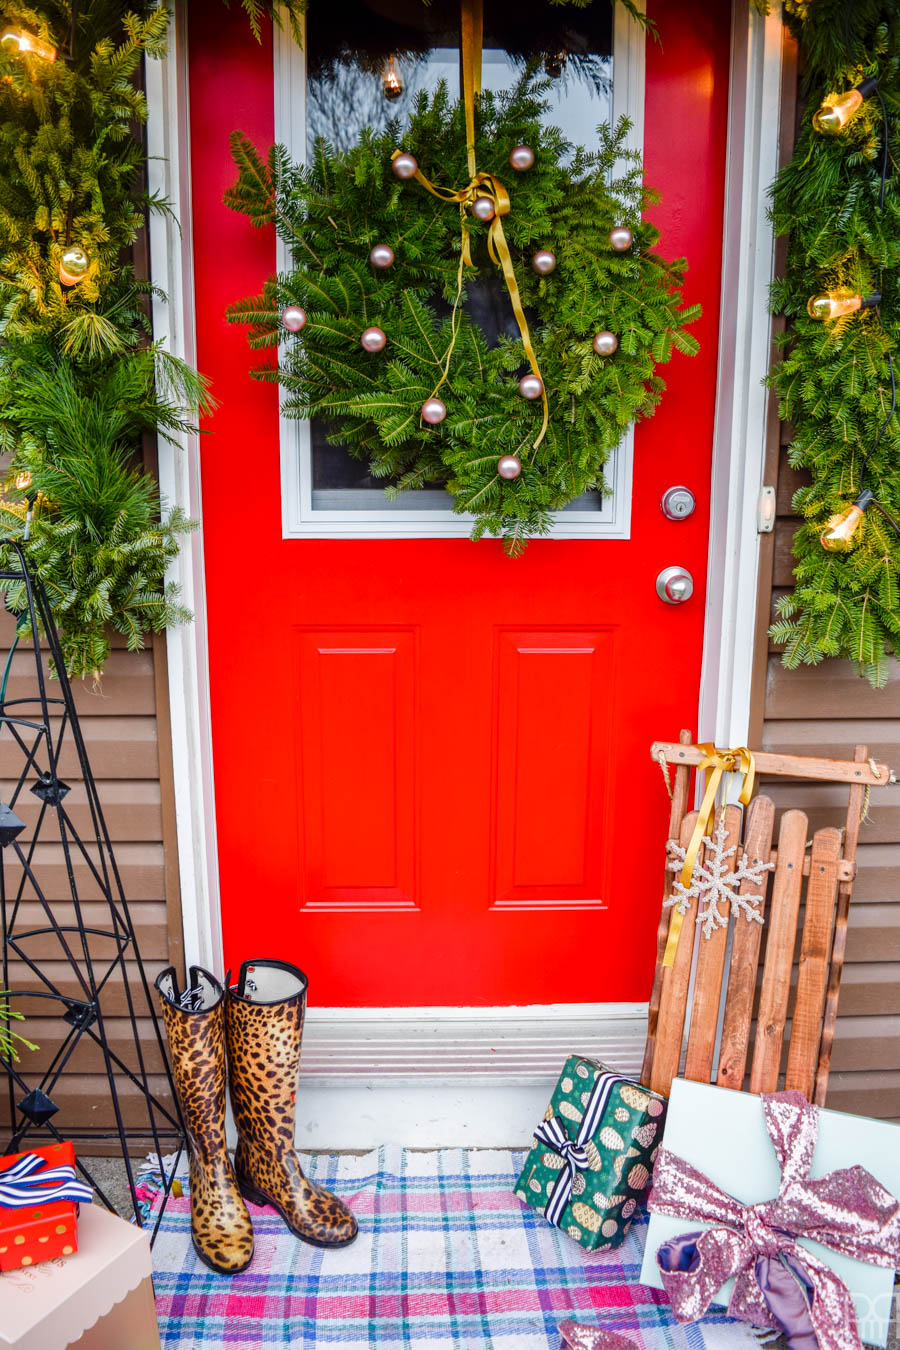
point(362, 64)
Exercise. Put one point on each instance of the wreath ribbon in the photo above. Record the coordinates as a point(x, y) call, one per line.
point(481, 184)
point(715, 762)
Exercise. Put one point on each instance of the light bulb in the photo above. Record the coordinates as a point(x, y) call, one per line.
point(391, 80)
point(23, 480)
point(839, 532)
point(835, 113)
point(29, 43)
point(835, 304)
point(555, 63)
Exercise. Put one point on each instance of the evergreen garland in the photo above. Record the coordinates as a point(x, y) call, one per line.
point(833, 379)
point(80, 383)
point(332, 211)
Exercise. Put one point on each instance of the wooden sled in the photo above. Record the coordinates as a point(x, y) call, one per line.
point(717, 996)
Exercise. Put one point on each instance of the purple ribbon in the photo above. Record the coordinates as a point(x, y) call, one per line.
point(31, 1181)
point(778, 1283)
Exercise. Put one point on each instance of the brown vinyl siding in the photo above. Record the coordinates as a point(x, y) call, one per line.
point(828, 709)
point(126, 730)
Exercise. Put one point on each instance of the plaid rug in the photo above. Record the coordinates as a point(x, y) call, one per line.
point(446, 1257)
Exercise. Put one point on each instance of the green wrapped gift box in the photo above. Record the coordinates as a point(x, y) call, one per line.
point(593, 1153)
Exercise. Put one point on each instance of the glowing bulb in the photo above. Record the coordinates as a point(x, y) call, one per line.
point(839, 532)
point(23, 480)
point(835, 113)
point(835, 304)
point(392, 81)
point(29, 43)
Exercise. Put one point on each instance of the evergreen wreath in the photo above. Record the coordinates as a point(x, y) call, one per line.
point(835, 379)
point(334, 210)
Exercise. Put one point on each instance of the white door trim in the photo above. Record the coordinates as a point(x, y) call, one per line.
point(171, 269)
point(440, 1109)
point(742, 400)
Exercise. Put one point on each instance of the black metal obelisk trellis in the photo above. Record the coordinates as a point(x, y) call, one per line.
point(91, 971)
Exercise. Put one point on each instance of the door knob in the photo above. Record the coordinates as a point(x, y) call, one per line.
point(674, 585)
point(677, 503)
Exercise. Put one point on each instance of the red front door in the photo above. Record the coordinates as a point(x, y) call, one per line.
point(432, 772)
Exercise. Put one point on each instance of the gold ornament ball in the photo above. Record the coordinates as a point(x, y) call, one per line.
point(531, 386)
point(621, 238)
point(73, 266)
point(293, 318)
point(509, 466)
point(605, 343)
point(405, 166)
point(382, 255)
point(543, 261)
point(483, 208)
point(373, 339)
point(522, 157)
point(433, 411)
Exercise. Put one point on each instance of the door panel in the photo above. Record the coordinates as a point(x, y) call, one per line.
point(553, 698)
point(432, 778)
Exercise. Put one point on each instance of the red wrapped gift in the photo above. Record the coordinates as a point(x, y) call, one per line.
point(38, 1198)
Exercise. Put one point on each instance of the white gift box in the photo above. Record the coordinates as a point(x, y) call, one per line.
point(100, 1298)
point(723, 1134)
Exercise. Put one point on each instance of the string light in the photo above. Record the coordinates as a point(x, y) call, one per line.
point(842, 527)
point(840, 302)
point(29, 44)
point(23, 480)
point(834, 113)
point(391, 80)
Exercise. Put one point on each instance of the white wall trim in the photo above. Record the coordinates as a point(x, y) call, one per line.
point(171, 269)
point(742, 400)
point(300, 520)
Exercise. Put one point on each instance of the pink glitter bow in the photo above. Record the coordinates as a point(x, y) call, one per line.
point(778, 1283)
point(576, 1336)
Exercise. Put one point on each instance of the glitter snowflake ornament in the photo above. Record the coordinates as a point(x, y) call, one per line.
point(713, 884)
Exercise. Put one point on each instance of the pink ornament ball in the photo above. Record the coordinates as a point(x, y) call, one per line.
point(433, 411)
point(621, 238)
point(605, 343)
point(543, 261)
point(483, 208)
point(522, 158)
point(509, 466)
point(382, 255)
point(531, 386)
point(373, 339)
point(293, 318)
point(405, 166)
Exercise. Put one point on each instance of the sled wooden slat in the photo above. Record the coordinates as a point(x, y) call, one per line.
point(710, 971)
point(787, 885)
point(674, 985)
point(839, 943)
point(680, 790)
point(745, 953)
point(812, 975)
point(714, 999)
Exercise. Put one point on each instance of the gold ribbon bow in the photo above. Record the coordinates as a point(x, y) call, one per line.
point(481, 184)
point(714, 762)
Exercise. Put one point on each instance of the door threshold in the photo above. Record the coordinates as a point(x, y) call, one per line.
point(449, 1077)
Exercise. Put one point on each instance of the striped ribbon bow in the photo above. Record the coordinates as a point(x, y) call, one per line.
point(31, 1182)
point(574, 1151)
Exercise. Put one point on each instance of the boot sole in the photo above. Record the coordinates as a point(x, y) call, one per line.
point(219, 1270)
point(249, 1192)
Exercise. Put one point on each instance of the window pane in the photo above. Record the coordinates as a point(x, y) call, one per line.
point(349, 48)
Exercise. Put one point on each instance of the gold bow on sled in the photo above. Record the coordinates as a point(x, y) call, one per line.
point(715, 762)
point(481, 184)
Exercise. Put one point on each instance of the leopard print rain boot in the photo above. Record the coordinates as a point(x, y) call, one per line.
point(264, 1024)
point(221, 1230)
